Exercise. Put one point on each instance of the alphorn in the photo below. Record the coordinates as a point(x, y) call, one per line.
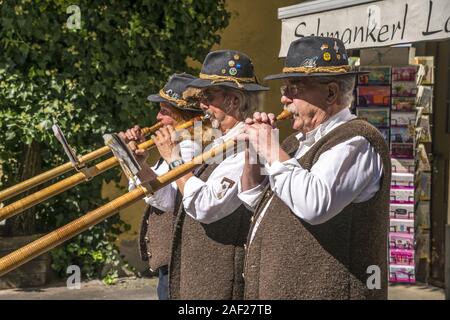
point(74, 180)
point(70, 230)
point(62, 169)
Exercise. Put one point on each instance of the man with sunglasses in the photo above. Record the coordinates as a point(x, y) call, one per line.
point(155, 236)
point(212, 223)
point(319, 230)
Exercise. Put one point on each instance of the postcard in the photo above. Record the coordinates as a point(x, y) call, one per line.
point(425, 99)
point(402, 150)
point(424, 129)
point(408, 73)
point(378, 117)
point(401, 257)
point(374, 96)
point(402, 135)
point(402, 195)
point(424, 162)
point(402, 274)
point(377, 76)
point(403, 165)
point(403, 103)
point(403, 118)
point(425, 186)
point(404, 89)
point(399, 240)
point(402, 179)
point(401, 225)
point(427, 76)
point(401, 211)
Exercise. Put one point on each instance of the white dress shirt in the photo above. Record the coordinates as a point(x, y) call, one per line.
point(164, 198)
point(216, 198)
point(349, 172)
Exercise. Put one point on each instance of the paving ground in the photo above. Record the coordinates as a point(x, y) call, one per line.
point(125, 289)
point(145, 289)
point(415, 292)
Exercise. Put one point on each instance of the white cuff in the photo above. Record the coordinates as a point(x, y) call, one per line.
point(188, 150)
point(160, 204)
point(278, 167)
point(252, 196)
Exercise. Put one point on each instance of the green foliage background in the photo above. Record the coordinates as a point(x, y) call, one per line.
point(91, 81)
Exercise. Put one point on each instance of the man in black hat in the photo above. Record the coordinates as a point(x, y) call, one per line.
point(320, 225)
point(156, 227)
point(212, 223)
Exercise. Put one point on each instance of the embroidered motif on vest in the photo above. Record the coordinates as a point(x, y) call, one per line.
point(207, 259)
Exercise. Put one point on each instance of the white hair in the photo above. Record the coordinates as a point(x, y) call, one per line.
point(346, 85)
point(249, 102)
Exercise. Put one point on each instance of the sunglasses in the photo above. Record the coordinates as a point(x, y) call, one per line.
point(208, 96)
point(167, 112)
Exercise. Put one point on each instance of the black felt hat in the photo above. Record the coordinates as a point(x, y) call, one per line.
point(314, 57)
point(228, 68)
point(172, 92)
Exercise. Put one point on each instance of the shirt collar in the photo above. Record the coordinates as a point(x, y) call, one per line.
point(334, 121)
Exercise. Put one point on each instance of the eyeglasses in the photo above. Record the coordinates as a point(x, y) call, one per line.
point(290, 90)
point(208, 96)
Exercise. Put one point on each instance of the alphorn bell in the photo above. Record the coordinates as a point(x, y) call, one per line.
point(64, 168)
point(70, 230)
point(65, 184)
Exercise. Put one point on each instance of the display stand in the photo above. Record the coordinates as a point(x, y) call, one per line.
point(394, 100)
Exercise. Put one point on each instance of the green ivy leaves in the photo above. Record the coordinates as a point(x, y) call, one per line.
point(91, 81)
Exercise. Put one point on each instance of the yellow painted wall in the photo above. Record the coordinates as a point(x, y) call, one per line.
point(255, 30)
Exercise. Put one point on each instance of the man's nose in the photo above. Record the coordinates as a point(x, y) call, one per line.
point(203, 106)
point(159, 116)
point(285, 100)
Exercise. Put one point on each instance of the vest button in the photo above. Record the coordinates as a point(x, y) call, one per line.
point(149, 254)
point(243, 276)
point(151, 270)
point(245, 247)
point(146, 239)
point(252, 219)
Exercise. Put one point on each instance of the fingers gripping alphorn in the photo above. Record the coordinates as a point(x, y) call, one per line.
point(68, 231)
point(74, 180)
point(62, 169)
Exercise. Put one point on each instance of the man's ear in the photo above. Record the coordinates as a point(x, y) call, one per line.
point(235, 100)
point(333, 93)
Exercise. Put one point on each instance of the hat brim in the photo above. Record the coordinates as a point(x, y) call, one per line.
point(157, 99)
point(204, 83)
point(304, 75)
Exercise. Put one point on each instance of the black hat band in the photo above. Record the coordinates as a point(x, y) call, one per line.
point(217, 79)
point(330, 69)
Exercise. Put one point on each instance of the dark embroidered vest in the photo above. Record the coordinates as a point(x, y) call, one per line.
point(155, 237)
point(207, 259)
point(291, 259)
